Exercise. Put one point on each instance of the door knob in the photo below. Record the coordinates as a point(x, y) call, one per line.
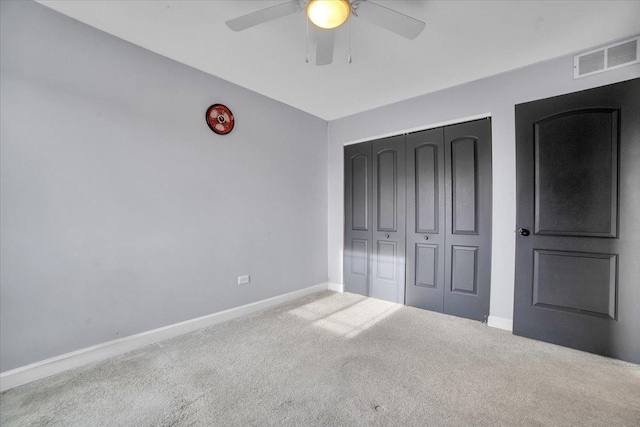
point(524, 232)
point(426, 237)
point(386, 236)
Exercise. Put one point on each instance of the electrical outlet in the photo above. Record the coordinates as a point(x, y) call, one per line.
point(243, 280)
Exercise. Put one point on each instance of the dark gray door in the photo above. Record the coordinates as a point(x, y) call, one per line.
point(578, 250)
point(388, 260)
point(358, 233)
point(468, 219)
point(425, 219)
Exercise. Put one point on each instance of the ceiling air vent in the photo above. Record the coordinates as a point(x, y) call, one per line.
point(607, 58)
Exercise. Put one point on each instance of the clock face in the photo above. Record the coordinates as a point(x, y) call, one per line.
point(220, 119)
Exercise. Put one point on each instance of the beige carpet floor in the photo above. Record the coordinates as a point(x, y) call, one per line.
point(338, 360)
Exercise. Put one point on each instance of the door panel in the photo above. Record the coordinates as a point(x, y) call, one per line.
point(576, 173)
point(575, 281)
point(426, 263)
point(425, 219)
point(467, 287)
point(577, 191)
point(464, 269)
point(388, 260)
point(387, 190)
point(464, 169)
point(359, 201)
point(427, 186)
point(359, 255)
point(357, 204)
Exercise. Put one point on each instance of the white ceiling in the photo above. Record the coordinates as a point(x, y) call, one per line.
point(463, 41)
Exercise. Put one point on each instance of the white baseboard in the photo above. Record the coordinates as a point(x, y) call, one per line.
point(45, 368)
point(336, 287)
point(500, 323)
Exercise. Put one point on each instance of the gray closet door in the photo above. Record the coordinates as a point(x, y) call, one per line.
point(578, 194)
point(358, 233)
point(388, 260)
point(425, 219)
point(468, 221)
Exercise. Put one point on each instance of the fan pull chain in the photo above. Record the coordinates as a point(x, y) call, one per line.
point(349, 57)
point(306, 54)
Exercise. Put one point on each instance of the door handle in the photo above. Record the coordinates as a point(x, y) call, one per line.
point(524, 232)
point(386, 236)
point(426, 237)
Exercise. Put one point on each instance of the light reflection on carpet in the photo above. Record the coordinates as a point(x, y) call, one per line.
point(349, 319)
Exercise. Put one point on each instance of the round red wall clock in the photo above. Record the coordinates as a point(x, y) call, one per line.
point(220, 119)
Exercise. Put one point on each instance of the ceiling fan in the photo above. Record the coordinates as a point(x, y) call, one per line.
point(326, 15)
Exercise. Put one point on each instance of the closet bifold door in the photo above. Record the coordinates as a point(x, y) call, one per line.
point(468, 219)
point(388, 259)
point(425, 219)
point(358, 221)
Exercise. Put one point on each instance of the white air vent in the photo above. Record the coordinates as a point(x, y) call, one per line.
point(607, 58)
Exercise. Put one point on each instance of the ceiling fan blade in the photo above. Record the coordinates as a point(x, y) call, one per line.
point(263, 15)
point(391, 20)
point(324, 46)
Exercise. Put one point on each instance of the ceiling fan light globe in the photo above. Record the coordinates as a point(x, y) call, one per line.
point(328, 14)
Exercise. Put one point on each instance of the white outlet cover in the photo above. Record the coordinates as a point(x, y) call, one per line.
point(243, 280)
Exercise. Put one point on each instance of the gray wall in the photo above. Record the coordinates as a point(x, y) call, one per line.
point(120, 210)
point(496, 95)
